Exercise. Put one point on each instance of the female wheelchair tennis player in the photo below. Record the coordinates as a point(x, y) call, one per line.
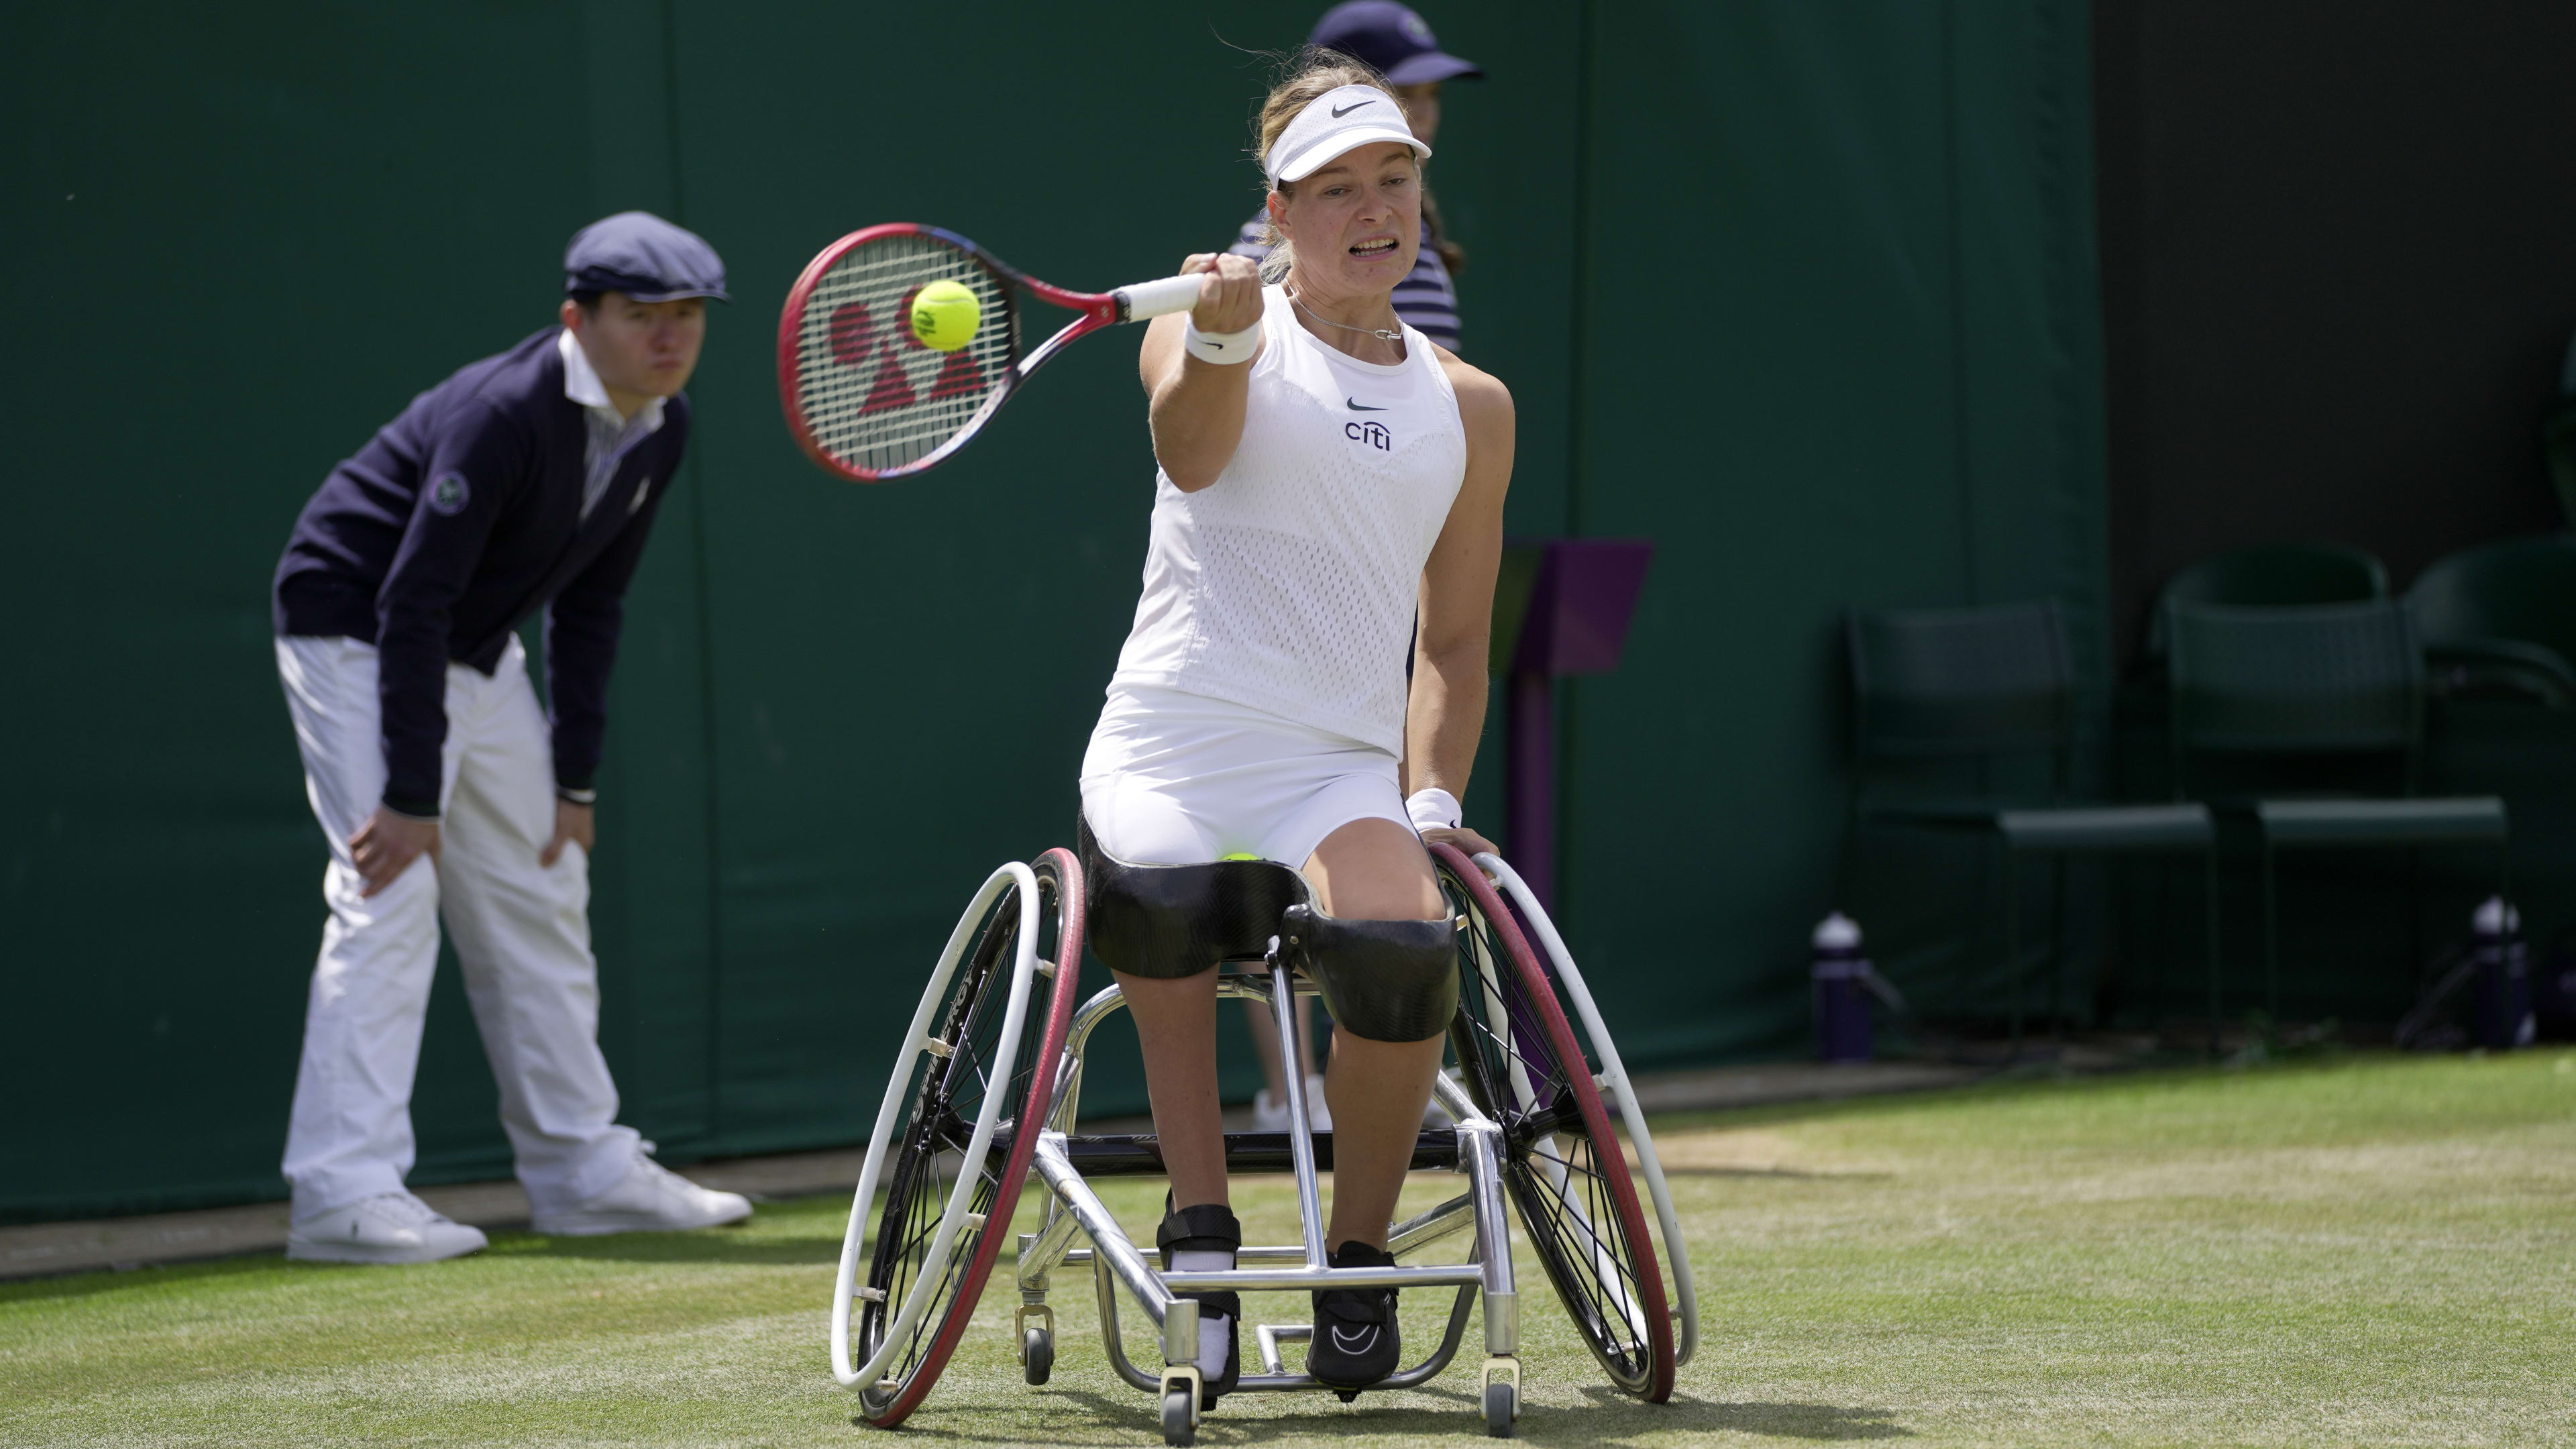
point(1328, 477)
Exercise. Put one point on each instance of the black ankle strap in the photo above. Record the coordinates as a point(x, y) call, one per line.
point(1356, 1254)
point(1358, 1305)
point(1208, 1227)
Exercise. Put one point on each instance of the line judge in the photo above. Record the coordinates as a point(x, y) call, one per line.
point(524, 482)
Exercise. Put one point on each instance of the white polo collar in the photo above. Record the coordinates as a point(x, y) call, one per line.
point(582, 385)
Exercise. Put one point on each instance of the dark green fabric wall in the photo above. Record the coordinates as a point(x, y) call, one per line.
point(1840, 349)
point(1802, 292)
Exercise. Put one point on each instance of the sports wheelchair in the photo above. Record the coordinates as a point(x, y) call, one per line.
point(989, 1081)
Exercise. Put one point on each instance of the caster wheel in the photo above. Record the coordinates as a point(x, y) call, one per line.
point(1177, 1428)
point(1037, 1355)
point(1347, 1396)
point(1498, 1410)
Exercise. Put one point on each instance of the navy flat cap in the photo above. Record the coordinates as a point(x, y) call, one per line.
point(645, 257)
point(1392, 39)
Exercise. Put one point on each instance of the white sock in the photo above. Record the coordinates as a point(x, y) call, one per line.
point(1216, 1331)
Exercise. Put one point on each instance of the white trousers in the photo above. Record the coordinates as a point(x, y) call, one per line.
point(521, 930)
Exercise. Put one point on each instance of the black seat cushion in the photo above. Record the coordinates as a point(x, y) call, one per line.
point(1179, 920)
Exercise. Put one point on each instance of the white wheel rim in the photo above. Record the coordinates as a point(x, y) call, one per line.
point(1549, 1155)
point(1614, 1076)
point(971, 1167)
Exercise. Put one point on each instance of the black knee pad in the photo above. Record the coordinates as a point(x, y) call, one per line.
point(1382, 980)
point(1169, 921)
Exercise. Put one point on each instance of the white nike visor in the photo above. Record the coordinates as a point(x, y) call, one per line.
point(1339, 120)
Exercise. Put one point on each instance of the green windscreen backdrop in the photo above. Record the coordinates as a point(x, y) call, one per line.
point(1802, 292)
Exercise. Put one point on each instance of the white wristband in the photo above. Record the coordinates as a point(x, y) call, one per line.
point(1222, 348)
point(1433, 810)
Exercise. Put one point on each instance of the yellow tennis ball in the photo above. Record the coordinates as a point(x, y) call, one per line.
point(945, 316)
point(1239, 855)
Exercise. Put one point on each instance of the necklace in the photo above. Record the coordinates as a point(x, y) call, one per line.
point(1379, 333)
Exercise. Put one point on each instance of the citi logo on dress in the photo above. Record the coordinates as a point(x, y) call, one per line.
point(1372, 435)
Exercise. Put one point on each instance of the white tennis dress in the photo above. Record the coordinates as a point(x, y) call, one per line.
point(1259, 700)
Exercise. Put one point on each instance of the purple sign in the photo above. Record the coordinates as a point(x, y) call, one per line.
point(1580, 604)
point(1580, 596)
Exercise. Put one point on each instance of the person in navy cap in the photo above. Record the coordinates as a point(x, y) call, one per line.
point(525, 482)
point(1398, 44)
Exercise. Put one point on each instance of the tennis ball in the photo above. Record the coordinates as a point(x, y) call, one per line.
point(1239, 855)
point(945, 316)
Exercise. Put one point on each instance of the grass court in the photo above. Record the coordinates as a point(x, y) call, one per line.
point(2354, 1250)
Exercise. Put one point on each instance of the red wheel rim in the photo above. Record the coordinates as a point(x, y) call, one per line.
point(1541, 989)
point(1024, 1143)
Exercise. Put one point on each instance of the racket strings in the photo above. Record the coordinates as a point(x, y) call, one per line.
point(870, 394)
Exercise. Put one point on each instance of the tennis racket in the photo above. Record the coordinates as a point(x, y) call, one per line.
point(868, 400)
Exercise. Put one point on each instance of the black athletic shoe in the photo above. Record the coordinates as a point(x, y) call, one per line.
point(1355, 1342)
point(1208, 1228)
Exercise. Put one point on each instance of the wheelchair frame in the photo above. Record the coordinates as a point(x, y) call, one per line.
point(1474, 1147)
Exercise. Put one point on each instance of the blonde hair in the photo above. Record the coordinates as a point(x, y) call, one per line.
point(1317, 72)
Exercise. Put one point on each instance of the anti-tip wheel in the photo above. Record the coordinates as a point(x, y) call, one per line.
point(1498, 1410)
point(1037, 1356)
point(1178, 1427)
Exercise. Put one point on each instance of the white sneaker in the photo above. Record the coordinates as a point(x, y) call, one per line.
point(391, 1227)
point(651, 1199)
point(1270, 1114)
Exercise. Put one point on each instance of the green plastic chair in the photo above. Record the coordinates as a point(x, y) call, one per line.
point(1988, 682)
point(2329, 679)
point(2271, 575)
point(2500, 619)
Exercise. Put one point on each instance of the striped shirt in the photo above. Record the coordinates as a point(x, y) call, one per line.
point(611, 437)
point(1426, 299)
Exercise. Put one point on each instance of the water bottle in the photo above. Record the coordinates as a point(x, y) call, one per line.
point(1841, 984)
point(2504, 1015)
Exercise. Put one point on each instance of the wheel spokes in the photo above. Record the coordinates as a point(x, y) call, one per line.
point(1582, 1218)
point(960, 1154)
point(1553, 1165)
point(1573, 1224)
point(953, 1094)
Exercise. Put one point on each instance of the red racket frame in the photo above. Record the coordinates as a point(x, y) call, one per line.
point(1098, 309)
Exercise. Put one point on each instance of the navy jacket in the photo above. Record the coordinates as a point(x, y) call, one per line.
point(458, 521)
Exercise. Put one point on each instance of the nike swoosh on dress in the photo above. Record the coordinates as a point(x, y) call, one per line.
point(1361, 407)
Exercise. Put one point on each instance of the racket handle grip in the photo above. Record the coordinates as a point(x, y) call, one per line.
point(1157, 299)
